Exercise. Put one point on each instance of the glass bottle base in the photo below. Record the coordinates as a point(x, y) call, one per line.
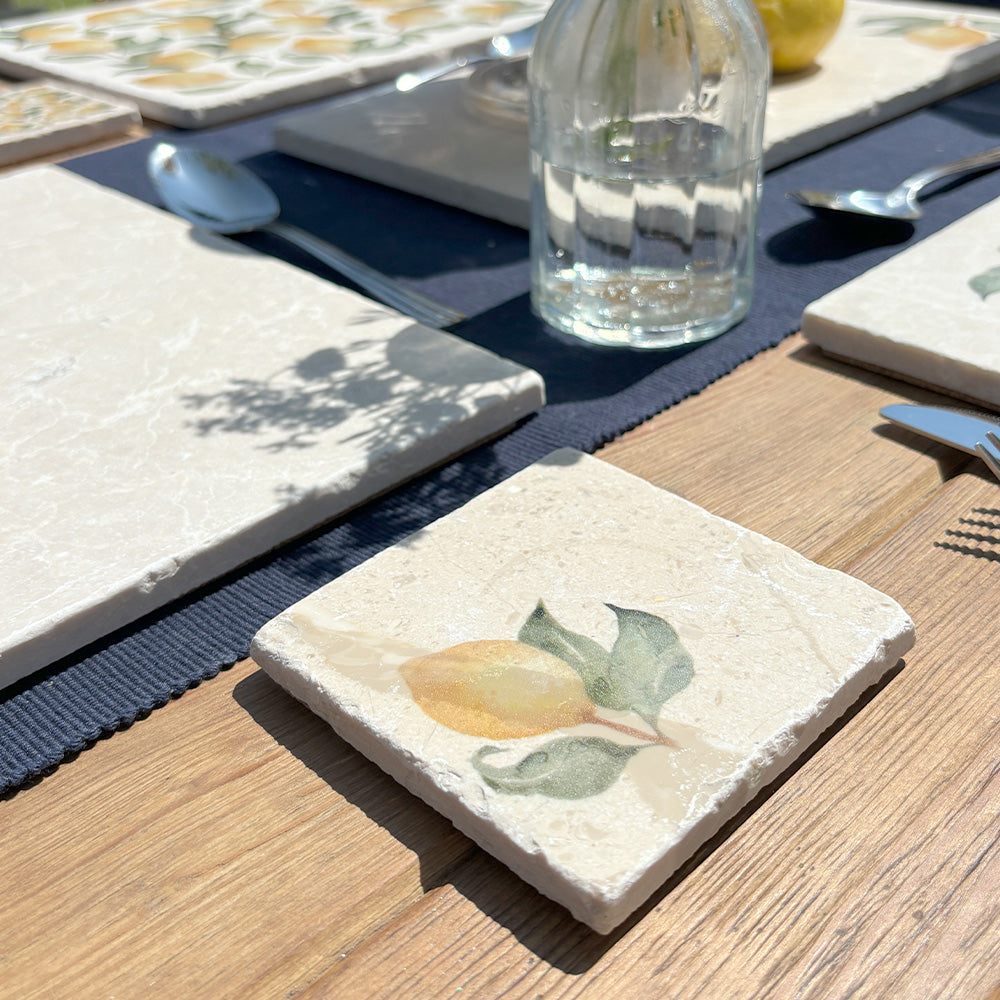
point(644, 310)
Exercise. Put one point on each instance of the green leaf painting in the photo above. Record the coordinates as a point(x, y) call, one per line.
point(571, 767)
point(588, 658)
point(550, 679)
point(987, 283)
point(648, 663)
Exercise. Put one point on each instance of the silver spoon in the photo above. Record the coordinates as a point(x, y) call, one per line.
point(511, 46)
point(899, 203)
point(216, 194)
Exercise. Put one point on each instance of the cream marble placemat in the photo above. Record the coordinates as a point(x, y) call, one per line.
point(176, 404)
point(194, 63)
point(930, 314)
point(435, 142)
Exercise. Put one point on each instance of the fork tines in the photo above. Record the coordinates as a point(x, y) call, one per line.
point(989, 452)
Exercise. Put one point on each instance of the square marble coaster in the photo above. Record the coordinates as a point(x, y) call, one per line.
point(436, 141)
point(194, 63)
point(586, 674)
point(176, 404)
point(41, 118)
point(930, 314)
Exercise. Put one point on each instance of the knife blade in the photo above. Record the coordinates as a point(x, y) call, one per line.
point(952, 427)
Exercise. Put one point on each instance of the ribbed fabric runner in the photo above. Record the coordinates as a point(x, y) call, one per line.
point(480, 266)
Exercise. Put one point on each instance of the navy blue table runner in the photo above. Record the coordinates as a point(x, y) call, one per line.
point(595, 394)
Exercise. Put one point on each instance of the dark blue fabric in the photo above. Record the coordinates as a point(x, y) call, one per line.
point(480, 266)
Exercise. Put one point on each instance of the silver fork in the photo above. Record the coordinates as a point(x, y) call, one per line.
point(989, 452)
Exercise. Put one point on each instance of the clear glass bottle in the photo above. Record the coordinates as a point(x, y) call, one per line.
point(646, 128)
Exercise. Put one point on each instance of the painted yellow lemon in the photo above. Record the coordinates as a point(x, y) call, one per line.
point(46, 32)
point(490, 11)
point(413, 17)
point(497, 688)
point(798, 30)
point(254, 43)
point(184, 80)
point(302, 22)
point(187, 59)
point(947, 36)
point(81, 47)
point(111, 16)
point(333, 46)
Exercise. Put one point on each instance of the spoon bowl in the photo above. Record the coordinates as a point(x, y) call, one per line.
point(225, 197)
point(210, 191)
point(899, 204)
point(891, 205)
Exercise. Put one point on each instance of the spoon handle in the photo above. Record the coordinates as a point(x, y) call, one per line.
point(979, 161)
point(414, 78)
point(384, 288)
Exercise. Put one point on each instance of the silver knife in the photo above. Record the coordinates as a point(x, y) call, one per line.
point(960, 429)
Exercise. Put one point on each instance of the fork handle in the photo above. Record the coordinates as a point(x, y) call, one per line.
point(381, 286)
point(979, 161)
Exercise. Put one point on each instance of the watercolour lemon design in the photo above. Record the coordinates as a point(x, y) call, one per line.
point(553, 679)
point(935, 32)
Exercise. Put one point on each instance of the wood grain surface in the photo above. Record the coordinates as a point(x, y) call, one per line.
point(230, 845)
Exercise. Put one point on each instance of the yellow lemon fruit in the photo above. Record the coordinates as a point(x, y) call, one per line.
point(798, 30)
point(497, 688)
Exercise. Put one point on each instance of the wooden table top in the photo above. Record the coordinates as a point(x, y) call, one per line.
point(230, 845)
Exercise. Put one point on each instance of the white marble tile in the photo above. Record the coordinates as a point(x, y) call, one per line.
point(588, 675)
point(176, 404)
point(434, 142)
point(38, 119)
point(930, 314)
point(194, 63)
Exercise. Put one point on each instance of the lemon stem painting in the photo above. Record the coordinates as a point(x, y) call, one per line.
point(551, 679)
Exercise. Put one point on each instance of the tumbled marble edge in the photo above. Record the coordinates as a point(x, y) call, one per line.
point(886, 355)
point(603, 911)
point(828, 323)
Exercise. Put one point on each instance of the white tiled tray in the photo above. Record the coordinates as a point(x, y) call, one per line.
point(930, 314)
point(435, 142)
point(588, 675)
point(175, 404)
point(194, 63)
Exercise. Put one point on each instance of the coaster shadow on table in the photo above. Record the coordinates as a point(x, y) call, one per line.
point(537, 922)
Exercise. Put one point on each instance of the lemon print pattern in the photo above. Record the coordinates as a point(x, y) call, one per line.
point(552, 680)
